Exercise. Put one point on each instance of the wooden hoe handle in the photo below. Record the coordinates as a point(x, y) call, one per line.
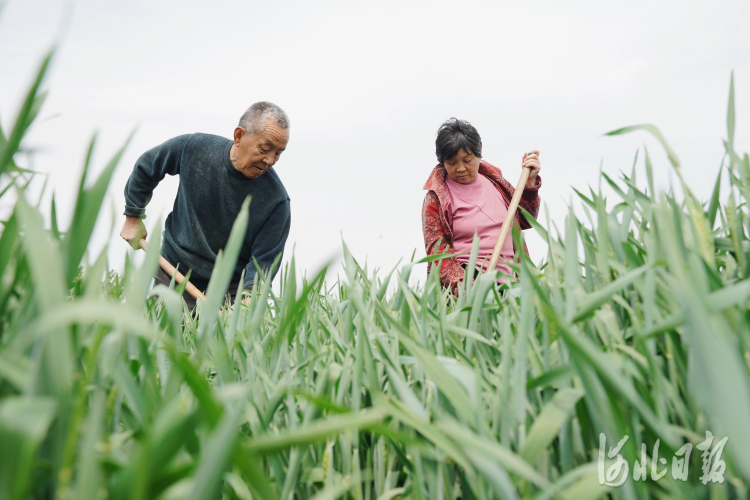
point(178, 277)
point(509, 218)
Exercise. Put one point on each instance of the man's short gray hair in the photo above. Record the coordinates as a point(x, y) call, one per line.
point(254, 119)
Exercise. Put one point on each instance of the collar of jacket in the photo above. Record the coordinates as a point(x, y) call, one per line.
point(436, 181)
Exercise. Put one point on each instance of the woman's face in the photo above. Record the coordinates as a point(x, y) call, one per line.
point(462, 168)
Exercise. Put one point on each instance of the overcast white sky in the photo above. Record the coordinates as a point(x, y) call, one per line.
point(367, 84)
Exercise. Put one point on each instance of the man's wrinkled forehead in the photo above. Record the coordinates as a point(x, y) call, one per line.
point(271, 144)
point(275, 137)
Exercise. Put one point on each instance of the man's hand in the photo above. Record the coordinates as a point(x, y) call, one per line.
point(531, 160)
point(246, 296)
point(133, 231)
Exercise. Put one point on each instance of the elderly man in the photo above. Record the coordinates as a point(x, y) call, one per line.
point(216, 175)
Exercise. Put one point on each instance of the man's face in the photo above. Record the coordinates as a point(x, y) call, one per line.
point(462, 168)
point(253, 154)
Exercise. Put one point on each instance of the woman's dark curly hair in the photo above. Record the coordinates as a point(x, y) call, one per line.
point(455, 135)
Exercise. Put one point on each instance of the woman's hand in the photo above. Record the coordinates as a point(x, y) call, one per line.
point(531, 160)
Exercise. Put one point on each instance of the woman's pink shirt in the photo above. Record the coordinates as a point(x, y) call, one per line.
point(477, 207)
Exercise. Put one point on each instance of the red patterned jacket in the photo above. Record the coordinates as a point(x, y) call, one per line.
point(435, 222)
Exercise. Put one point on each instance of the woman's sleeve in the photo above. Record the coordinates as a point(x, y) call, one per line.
point(530, 201)
point(436, 240)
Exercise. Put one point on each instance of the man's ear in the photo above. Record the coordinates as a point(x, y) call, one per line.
point(238, 133)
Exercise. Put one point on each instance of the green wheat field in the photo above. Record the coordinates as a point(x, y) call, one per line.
point(636, 324)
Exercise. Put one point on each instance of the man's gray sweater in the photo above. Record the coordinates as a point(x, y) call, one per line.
point(208, 201)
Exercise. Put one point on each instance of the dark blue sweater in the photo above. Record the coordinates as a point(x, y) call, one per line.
point(208, 201)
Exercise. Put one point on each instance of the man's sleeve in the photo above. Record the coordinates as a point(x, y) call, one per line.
point(149, 170)
point(269, 243)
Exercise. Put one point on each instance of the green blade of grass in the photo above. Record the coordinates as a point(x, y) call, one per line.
point(24, 422)
point(659, 137)
point(314, 431)
point(86, 212)
point(223, 271)
point(23, 120)
point(548, 423)
point(215, 459)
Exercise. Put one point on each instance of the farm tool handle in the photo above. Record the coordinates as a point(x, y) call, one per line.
point(178, 277)
point(509, 218)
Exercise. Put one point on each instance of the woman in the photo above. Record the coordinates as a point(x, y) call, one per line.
point(465, 194)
